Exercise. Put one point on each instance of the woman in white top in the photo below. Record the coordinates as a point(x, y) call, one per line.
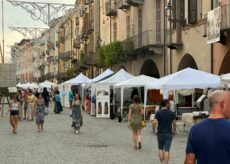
point(15, 109)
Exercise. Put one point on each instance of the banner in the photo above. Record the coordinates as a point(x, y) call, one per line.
point(213, 25)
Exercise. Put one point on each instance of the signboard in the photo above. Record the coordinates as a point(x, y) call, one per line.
point(103, 100)
point(213, 25)
point(7, 75)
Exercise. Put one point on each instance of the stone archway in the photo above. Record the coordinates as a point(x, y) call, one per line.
point(187, 61)
point(149, 68)
point(225, 68)
point(123, 67)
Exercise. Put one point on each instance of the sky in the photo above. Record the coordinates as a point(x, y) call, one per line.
point(16, 16)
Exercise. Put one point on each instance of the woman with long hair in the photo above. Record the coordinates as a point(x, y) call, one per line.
point(15, 110)
point(30, 109)
point(58, 107)
point(40, 112)
point(135, 117)
point(46, 97)
point(77, 113)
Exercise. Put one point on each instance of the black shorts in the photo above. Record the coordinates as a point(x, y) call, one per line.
point(14, 113)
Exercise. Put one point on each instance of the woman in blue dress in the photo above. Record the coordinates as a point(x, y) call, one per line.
point(76, 113)
point(58, 106)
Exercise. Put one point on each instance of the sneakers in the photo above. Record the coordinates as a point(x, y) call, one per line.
point(76, 131)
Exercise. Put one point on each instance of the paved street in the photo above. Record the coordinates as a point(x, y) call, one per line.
point(102, 141)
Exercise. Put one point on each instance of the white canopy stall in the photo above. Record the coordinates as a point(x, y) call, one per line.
point(47, 84)
point(80, 79)
point(138, 81)
point(225, 79)
point(185, 79)
point(103, 91)
point(92, 82)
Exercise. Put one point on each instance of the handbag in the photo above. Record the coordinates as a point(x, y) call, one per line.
point(143, 124)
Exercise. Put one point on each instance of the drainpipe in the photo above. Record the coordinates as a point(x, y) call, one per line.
point(212, 54)
point(164, 53)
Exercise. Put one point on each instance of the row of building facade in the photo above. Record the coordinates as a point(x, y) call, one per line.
point(151, 37)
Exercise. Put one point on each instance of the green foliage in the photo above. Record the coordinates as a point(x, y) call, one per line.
point(82, 57)
point(109, 54)
point(69, 72)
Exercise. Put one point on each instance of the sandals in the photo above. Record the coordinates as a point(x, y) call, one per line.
point(135, 147)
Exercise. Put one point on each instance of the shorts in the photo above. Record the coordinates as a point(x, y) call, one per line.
point(14, 113)
point(164, 141)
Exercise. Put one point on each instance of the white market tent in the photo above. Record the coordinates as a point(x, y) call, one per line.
point(19, 85)
point(81, 78)
point(47, 84)
point(104, 74)
point(120, 76)
point(138, 81)
point(225, 79)
point(185, 79)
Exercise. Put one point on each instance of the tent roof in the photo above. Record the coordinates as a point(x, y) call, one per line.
point(104, 74)
point(186, 79)
point(225, 77)
point(47, 84)
point(81, 78)
point(120, 76)
point(138, 81)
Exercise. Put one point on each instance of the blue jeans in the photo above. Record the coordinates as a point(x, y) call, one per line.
point(164, 141)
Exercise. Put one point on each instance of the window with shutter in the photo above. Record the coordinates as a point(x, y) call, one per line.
point(192, 11)
point(128, 31)
point(115, 31)
point(158, 21)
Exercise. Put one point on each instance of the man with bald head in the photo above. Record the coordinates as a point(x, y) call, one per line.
point(209, 140)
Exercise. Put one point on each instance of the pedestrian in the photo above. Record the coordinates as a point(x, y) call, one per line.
point(30, 109)
point(166, 122)
point(40, 112)
point(20, 99)
point(58, 106)
point(25, 96)
point(46, 97)
point(135, 117)
point(77, 113)
point(208, 141)
point(15, 110)
point(71, 95)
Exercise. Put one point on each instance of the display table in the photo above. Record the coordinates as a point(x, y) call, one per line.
point(149, 109)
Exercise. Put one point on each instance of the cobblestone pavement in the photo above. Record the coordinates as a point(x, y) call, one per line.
point(101, 141)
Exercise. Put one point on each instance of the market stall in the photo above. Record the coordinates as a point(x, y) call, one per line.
point(185, 79)
point(92, 82)
point(225, 80)
point(103, 91)
point(136, 82)
point(80, 79)
point(47, 84)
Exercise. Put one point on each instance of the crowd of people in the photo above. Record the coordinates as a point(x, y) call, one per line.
point(208, 141)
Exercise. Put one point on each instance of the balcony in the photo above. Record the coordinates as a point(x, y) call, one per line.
point(50, 59)
point(111, 8)
point(122, 4)
point(77, 43)
point(148, 41)
point(135, 3)
point(90, 27)
point(66, 56)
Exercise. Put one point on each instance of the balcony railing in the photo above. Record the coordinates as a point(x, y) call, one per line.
point(225, 17)
point(135, 3)
point(111, 8)
point(50, 58)
point(147, 38)
point(77, 43)
point(122, 4)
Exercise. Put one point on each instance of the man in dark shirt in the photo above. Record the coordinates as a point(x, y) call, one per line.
point(166, 121)
point(208, 141)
